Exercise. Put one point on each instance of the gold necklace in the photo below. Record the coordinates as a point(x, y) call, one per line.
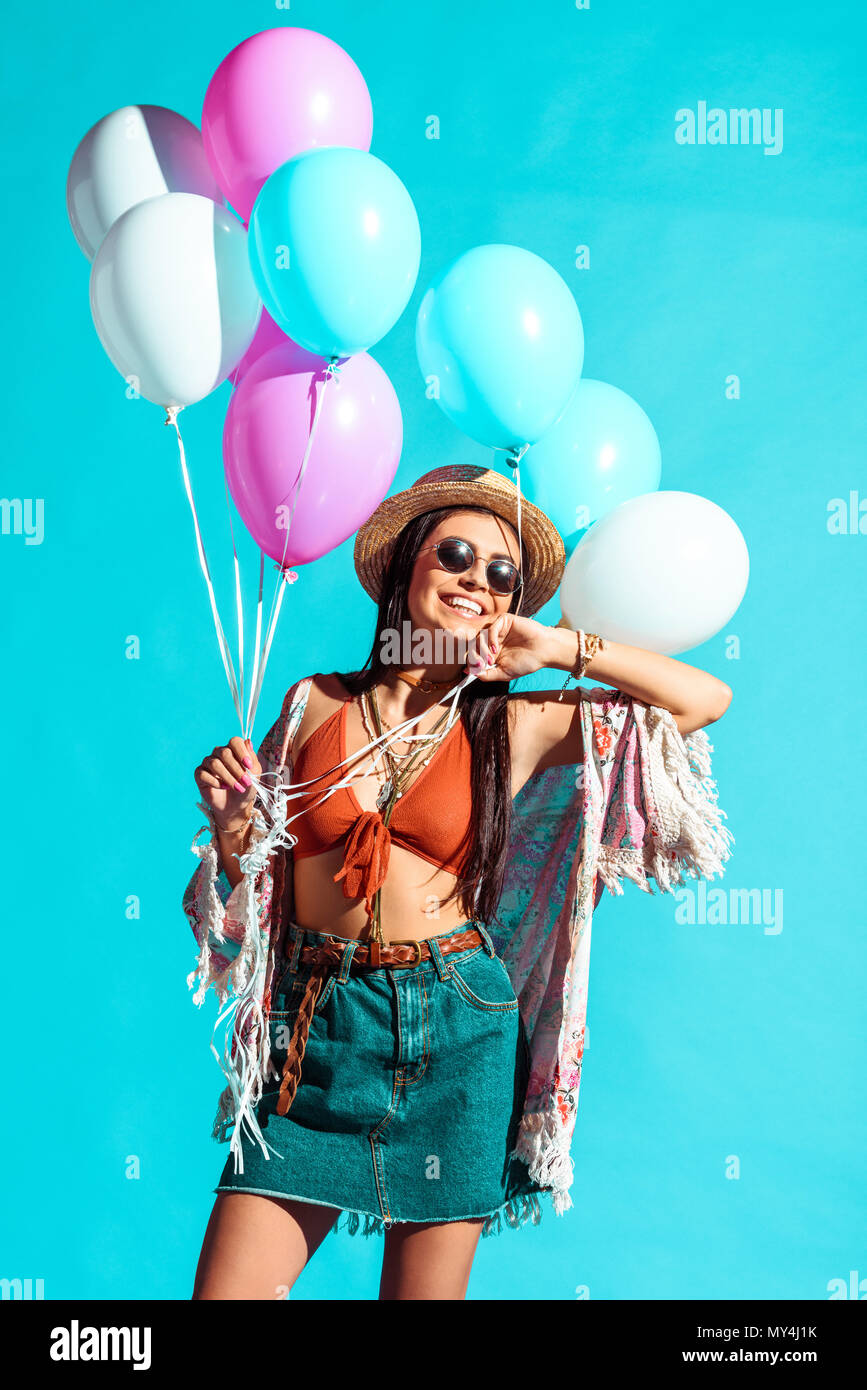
point(390, 756)
point(393, 788)
point(390, 727)
point(390, 749)
point(402, 765)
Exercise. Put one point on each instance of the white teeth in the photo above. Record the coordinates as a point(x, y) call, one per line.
point(464, 606)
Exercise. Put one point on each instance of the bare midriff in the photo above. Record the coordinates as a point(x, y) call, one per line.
point(412, 898)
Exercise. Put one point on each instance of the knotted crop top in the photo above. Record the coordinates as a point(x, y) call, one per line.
point(431, 818)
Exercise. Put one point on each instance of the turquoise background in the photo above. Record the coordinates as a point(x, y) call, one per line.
point(557, 129)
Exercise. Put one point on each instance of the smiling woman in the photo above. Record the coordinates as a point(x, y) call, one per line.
point(446, 644)
point(459, 607)
point(418, 1009)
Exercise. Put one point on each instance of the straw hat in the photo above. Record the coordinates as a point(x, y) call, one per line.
point(455, 486)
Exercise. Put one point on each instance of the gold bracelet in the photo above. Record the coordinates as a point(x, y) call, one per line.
point(589, 644)
point(223, 831)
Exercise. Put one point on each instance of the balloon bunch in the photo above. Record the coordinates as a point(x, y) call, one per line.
point(500, 344)
point(274, 250)
point(501, 347)
point(271, 249)
point(662, 570)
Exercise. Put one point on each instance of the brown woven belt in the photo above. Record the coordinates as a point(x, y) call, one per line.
point(371, 955)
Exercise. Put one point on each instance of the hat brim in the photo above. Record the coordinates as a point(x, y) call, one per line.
point(466, 486)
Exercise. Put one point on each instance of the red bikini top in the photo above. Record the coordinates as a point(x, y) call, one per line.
point(431, 819)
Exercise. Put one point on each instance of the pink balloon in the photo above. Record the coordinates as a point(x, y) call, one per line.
point(269, 336)
point(277, 94)
point(353, 459)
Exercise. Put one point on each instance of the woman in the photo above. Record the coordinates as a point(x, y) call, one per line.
point(427, 1088)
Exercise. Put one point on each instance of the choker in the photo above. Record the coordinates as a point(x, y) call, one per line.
point(427, 686)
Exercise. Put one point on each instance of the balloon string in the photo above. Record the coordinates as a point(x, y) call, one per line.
point(239, 601)
point(331, 370)
point(172, 413)
point(514, 461)
point(258, 623)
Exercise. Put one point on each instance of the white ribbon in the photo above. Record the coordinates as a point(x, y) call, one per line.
point(291, 791)
point(172, 419)
point(261, 660)
point(261, 653)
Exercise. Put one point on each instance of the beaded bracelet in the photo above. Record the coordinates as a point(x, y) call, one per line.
point(589, 643)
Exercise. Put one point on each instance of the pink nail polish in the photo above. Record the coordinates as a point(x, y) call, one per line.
point(247, 780)
point(247, 762)
point(239, 787)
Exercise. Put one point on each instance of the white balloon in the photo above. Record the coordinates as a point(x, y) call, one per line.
point(134, 153)
point(664, 571)
point(173, 298)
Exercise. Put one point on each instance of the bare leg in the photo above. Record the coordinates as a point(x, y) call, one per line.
point(256, 1246)
point(431, 1261)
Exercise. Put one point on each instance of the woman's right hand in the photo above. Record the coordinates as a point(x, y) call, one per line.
point(224, 779)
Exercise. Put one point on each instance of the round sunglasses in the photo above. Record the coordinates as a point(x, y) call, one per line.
point(457, 556)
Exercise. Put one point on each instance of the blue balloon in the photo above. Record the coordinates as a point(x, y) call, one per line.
point(500, 344)
point(335, 246)
point(602, 451)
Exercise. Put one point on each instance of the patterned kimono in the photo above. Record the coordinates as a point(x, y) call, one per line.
point(641, 806)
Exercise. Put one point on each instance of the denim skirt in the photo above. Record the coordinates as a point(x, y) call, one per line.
point(411, 1093)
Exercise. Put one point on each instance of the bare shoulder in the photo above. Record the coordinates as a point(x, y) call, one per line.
point(329, 686)
point(327, 693)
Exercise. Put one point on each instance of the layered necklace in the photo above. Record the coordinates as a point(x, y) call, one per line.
point(400, 768)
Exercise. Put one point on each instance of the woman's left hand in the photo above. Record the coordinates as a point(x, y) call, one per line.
point(511, 647)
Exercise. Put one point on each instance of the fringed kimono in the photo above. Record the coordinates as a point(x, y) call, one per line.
point(641, 806)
